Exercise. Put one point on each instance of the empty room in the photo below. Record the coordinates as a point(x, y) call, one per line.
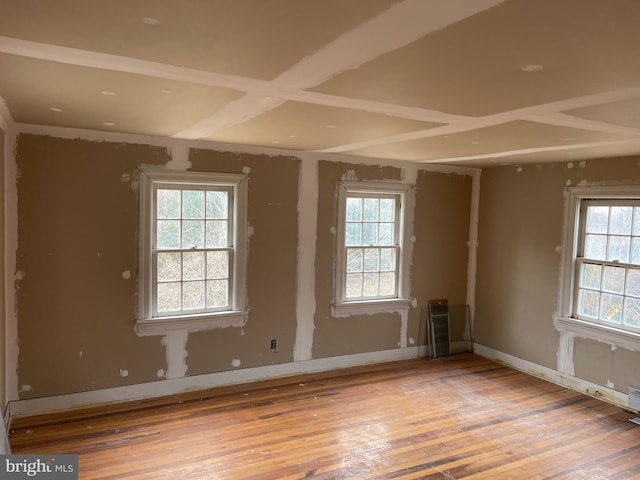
point(320, 239)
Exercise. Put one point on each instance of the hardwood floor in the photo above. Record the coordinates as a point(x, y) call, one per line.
point(452, 418)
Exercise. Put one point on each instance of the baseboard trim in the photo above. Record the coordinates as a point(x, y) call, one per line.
point(582, 386)
point(37, 406)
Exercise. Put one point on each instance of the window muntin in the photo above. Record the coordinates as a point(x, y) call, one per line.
point(193, 238)
point(608, 263)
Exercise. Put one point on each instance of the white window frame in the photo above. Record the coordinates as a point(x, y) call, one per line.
point(147, 323)
point(401, 302)
point(566, 317)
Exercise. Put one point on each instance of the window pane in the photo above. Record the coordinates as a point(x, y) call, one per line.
point(192, 204)
point(621, 220)
point(632, 312)
point(633, 282)
point(636, 220)
point(371, 260)
point(168, 205)
point(169, 267)
point(618, 249)
point(193, 266)
point(611, 308)
point(370, 285)
point(387, 209)
point(595, 247)
point(370, 213)
point(169, 297)
point(168, 234)
point(217, 233)
point(354, 210)
point(354, 260)
point(193, 234)
point(352, 234)
point(217, 264)
point(613, 279)
point(635, 251)
point(217, 205)
point(193, 295)
point(590, 275)
point(370, 234)
point(354, 285)
point(387, 259)
point(597, 219)
point(217, 293)
point(387, 283)
point(588, 303)
point(370, 221)
point(386, 234)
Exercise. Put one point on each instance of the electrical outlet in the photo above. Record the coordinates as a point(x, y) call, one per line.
point(274, 345)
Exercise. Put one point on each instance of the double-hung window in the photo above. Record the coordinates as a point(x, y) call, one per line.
point(608, 263)
point(600, 283)
point(192, 250)
point(371, 252)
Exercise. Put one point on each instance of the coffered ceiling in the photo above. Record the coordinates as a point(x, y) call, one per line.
point(465, 82)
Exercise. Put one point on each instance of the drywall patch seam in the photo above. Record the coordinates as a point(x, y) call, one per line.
point(473, 245)
point(179, 158)
point(307, 235)
point(175, 343)
point(404, 324)
point(5, 116)
point(12, 349)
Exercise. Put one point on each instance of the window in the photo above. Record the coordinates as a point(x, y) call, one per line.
point(192, 250)
point(371, 257)
point(608, 263)
point(600, 280)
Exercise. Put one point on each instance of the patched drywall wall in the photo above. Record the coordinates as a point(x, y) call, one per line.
point(271, 266)
point(355, 334)
point(440, 251)
point(77, 265)
point(438, 265)
point(519, 255)
point(77, 236)
point(77, 268)
point(606, 365)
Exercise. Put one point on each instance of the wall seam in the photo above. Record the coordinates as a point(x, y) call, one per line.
point(474, 219)
point(10, 253)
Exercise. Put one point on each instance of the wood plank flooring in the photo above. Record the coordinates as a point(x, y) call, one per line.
point(452, 418)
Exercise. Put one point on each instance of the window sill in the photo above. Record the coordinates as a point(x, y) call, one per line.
point(191, 323)
point(601, 333)
point(348, 309)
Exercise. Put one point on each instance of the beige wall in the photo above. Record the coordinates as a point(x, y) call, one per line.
point(438, 265)
point(77, 233)
point(77, 239)
point(3, 228)
point(520, 234)
point(271, 268)
point(77, 223)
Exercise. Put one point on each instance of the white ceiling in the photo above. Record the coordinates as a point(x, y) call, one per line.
point(462, 82)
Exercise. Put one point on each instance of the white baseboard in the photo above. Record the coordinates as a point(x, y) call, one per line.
point(582, 386)
point(37, 406)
